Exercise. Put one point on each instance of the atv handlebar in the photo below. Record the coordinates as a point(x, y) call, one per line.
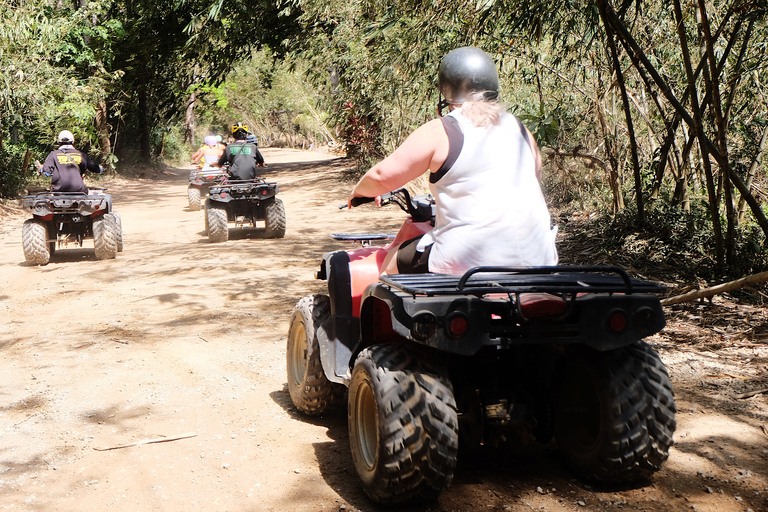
point(420, 208)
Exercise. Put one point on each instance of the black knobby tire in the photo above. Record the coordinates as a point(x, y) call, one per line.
point(104, 237)
point(35, 242)
point(311, 392)
point(193, 194)
point(118, 230)
point(274, 219)
point(615, 413)
point(216, 218)
point(403, 424)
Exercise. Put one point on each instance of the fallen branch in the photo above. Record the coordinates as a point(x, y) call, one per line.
point(715, 290)
point(752, 393)
point(148, 441)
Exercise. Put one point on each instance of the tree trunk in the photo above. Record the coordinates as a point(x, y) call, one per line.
point(712, 76)
point(698, 127)
point(144, 136)
point(102, 130)
point(189, 118)
point(630, 125)
point(613, 164)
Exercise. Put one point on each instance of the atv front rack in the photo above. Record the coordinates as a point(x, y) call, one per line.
point(481, 281)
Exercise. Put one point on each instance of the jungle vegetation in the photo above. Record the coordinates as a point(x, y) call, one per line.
point(652, 115)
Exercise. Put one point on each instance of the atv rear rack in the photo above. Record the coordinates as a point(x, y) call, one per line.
point(481, 281)
point(245, 188)
point(42, 203)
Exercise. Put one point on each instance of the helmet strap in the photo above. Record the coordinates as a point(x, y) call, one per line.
point(441, 104)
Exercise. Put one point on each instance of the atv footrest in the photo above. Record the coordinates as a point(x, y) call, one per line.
point(362, 237)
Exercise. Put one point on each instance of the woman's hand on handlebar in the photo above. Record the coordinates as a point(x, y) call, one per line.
point(358, 200)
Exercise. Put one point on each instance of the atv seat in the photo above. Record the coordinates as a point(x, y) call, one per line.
point(540, 305)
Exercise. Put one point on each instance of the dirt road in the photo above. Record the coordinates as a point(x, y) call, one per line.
point(179, 337)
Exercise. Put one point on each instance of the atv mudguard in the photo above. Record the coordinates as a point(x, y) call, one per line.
point(349, 273)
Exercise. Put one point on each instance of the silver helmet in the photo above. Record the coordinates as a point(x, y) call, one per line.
point(465, 74)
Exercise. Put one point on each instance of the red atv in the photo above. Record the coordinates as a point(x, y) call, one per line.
point(436, 363)
point(200, 182)
point(63, 218)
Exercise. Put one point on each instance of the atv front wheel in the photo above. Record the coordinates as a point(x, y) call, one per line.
point(105, 237)
point(34, 240)
point(216, 217)
point(193, 193)
point(403, 424)
point(274, 217)
point(311, 392)
point(615, 413)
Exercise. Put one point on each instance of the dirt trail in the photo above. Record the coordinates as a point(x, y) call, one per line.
point(181, 336)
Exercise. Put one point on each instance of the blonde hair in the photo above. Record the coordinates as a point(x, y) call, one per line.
point(483, 113)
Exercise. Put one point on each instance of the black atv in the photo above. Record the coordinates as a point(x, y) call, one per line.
point(63, 218)
point(436, 364)
point(243, 202)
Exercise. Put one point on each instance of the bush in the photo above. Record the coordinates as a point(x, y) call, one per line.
point(13, 178)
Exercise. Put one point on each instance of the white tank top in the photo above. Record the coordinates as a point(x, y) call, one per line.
point(490, 208)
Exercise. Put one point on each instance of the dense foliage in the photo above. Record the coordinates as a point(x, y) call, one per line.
point(639, 106)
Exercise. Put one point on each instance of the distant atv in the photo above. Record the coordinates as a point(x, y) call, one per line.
point(200, 181)
point(243, 202)
point(437, 363)
point(63, 218)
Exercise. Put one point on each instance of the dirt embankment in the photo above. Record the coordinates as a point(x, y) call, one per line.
point(180, 337)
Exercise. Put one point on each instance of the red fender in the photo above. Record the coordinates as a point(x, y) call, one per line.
point(365, 263)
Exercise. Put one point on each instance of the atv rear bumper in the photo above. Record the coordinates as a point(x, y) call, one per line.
point(600, 307)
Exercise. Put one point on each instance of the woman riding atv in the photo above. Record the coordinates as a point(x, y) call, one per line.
point(484, 169)
point(208, 155)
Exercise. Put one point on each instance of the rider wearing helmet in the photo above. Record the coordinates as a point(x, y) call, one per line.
point(209, 153)
point(484, 170)
point(66, 165)
point(242, 156)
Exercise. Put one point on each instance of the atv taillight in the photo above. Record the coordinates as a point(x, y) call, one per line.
point(223, 194)
point(617, 321)
point(424, 325)
point(264, 192)
point(457, 326)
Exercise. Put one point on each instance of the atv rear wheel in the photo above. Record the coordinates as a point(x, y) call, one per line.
point(34, 239)
point(311, 392)
point(216, 218)
point(105, 237)
point(274, 218)
point(403, 424)
point(193, 193)
point(119, 230)
point(615, 413)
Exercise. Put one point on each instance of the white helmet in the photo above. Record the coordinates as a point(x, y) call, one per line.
point(66, 137)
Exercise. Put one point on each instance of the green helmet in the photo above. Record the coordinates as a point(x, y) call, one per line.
point(467, 73)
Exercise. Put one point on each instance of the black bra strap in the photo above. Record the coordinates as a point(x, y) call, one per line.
point(455, 143)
